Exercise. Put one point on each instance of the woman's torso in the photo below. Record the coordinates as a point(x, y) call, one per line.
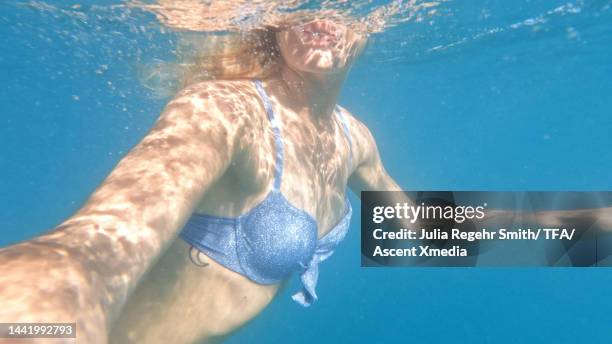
point(315, 169)
point(178, 300)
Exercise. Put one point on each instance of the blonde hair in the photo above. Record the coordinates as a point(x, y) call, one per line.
point(251, 55)
point(202, 57)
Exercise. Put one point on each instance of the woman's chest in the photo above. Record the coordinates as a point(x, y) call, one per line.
point(309, 165)
point(316, 169)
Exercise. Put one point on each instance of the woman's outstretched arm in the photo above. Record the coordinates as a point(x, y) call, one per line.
point(83, 270)
point(369, 173)
point(600, 218)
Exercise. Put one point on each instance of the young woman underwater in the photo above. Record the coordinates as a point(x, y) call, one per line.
point(240, 183)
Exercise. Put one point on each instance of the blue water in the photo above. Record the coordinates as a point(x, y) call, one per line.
point(486, 95)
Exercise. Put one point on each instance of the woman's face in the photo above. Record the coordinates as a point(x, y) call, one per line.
point(319, 46)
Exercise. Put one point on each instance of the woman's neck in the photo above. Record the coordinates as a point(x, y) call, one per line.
point(318, 93)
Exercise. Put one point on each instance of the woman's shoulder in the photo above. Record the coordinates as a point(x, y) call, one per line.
point(364, 143)
point(219, 89)
point(231, 99)
point(355, 125)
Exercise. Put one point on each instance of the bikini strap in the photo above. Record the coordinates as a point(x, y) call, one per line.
point(278, 142)
point(347, 133)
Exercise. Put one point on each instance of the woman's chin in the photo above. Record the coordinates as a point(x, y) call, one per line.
point(324, 63)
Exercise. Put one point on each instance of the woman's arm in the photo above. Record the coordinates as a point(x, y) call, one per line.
point(369, 173)
point(599, 218)
point(85, 268)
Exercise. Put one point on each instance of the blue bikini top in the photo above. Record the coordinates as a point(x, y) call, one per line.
point(274, 238)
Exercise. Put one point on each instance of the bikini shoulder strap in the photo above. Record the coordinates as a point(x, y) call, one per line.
point(278, 142)
point(347, 133)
